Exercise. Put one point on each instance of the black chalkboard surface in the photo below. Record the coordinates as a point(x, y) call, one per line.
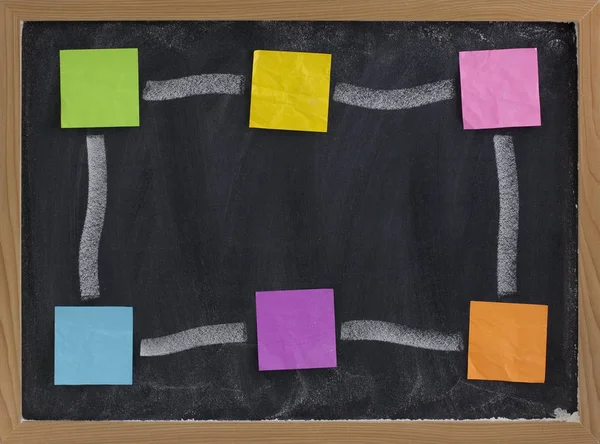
point(396, 210)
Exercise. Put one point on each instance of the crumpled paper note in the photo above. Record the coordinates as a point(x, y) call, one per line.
point(500, 88)
point(290, 90)
point(295, 329)
point(507, 342)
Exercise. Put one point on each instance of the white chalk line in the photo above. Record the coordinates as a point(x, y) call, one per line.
point(193, 86)
point(398, 334)
point(194, 337)
point(94, 218)
point(394, 99)
point(508, 221)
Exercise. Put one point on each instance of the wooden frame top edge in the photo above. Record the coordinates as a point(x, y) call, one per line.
point(585, 12)
point(439, 10)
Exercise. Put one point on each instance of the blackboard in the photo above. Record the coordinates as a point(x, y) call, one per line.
point(396, 210)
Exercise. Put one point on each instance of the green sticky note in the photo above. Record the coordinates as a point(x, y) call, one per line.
point(99, 88)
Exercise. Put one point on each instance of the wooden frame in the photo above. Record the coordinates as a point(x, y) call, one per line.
point(586, 13)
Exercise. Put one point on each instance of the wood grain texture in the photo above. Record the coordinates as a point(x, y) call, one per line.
point(10, 226)
point(12, 12)
point(589, 221)
point(300, 432)
point(530, 10)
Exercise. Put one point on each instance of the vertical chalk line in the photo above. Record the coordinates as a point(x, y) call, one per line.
point(94, 218)
point(508, 221)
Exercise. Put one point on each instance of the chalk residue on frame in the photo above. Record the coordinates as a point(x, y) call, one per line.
point(508, 223)
point(394, 99)
point(193, 86)
point(94, 219)
point(398, 334)
point(194, 337)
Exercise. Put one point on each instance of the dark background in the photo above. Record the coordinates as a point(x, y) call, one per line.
point(395, 210)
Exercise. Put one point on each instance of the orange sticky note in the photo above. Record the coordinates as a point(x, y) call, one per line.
point(507, 342)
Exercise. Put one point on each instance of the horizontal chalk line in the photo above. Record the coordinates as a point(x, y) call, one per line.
point(398, 334)
point(194, 337)
point(193, 86)
point(394, 99)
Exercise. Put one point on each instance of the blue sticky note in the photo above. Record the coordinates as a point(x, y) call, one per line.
point(93, 345)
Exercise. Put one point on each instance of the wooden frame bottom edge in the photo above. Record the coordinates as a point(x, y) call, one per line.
point(434, 432)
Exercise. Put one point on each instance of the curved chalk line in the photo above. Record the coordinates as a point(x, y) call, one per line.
point(194, 337)
point(94, 218)
point(393, 99)
point(508, 220)
point(193, 86)
point(398, 334)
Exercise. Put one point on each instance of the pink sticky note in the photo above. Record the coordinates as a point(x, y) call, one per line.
point(296, 329)
point(500, 88)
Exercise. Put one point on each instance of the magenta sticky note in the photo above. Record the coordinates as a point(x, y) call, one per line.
point(295, 329)
point(500, 88)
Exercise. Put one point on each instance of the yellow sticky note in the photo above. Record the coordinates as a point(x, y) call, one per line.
point(507, 342)
point(290, 91)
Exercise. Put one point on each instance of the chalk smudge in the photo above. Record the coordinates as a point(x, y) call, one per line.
point(193, 86)
point(398, 334)
point(194, 337)
point(394, 99)
point(508, 223)
point(563, 415)
point(94, 219)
